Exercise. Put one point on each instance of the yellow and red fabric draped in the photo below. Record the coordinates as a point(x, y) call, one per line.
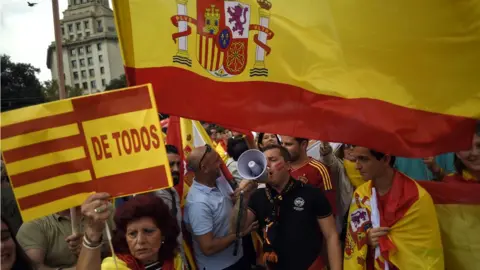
point(398, 76)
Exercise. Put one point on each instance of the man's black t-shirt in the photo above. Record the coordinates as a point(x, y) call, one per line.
point(299, 239)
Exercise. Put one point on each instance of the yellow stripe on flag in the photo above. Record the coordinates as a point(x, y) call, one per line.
point(35, 112)
point(459, 225)
point(40, 136)
point(52, 183)
point(45, 160)
point(53, 207)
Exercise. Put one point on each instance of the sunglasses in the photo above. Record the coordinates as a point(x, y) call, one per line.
point(208, 149)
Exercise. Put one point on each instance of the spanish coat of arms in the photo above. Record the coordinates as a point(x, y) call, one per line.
point(223, 29)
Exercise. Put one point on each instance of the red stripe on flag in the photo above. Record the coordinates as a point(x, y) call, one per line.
point(38, 124)
point(44, 173)
point(290, 110)
point(174, 137)
point(452, 193)
point(43, 148)
point(114, 103)
point(115, 185)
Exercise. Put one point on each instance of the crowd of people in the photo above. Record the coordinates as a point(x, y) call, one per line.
point(311, 213)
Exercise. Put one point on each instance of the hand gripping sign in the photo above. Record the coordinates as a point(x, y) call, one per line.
point(57, 153)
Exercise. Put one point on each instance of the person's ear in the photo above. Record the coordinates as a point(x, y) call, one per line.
point(288, 166)
point(304, 144)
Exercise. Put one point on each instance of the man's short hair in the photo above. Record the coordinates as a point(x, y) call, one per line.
point(236, 146)
point(171, 149)
point(380, 155)
point(300, 140)
point(283, 151)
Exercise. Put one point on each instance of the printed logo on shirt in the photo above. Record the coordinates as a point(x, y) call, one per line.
point(358, 218)
point(303, 179)
point(298, 204)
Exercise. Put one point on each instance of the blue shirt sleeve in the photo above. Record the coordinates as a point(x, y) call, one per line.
point(445, 161)
point(199, 217)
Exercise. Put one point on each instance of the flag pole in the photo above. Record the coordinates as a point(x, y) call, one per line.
point(59, 50)
point(61, 80)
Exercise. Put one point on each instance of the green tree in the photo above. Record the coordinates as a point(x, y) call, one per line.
point(50, 91)
point(120, 82)
point(19, 84)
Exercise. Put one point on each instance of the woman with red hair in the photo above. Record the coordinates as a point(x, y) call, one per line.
point(145, 236)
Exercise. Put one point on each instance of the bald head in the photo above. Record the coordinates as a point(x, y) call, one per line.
point(193, 160)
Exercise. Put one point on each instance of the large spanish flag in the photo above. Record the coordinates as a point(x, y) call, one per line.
point(400, 76)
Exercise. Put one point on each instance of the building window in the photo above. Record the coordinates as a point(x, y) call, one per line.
point(93, 84)
point(70, 28)
point(80, 51)
point(85, 85)
point(100, 58)
point(87, 34)
point(91, 72)
point(103, 82)
point(84, 74)
point(72, 52)
point(79, 35)
point(82, 62)
point(63, 31)
point(86, 24)
point(99, 24)
point(90, 61)
point(74, 63)
point(99, 46)
point(102, 70)
point(72, 36)
point(78, 26)
point(75, 75)
point(77, 85)
point(89, 48)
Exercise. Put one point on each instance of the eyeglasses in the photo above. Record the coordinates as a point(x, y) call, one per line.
point(208, 149)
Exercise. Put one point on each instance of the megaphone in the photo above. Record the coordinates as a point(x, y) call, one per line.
point(252, 165)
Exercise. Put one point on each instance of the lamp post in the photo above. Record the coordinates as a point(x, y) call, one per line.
point(59, 51)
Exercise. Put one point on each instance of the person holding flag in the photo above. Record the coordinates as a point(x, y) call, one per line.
point(392, 222)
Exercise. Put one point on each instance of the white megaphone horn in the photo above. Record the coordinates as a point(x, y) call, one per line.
point(252, 165)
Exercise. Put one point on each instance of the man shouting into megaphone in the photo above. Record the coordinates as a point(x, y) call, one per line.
point(294, 218)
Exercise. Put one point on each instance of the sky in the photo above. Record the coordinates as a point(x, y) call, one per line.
point(26, 32)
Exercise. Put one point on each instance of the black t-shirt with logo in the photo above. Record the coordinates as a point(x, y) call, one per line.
point(299, 239)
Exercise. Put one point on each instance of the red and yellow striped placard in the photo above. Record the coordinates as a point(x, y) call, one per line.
point(57, 153)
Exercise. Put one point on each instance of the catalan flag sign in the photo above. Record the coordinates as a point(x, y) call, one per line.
point(57, 153)
point(398, 76)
